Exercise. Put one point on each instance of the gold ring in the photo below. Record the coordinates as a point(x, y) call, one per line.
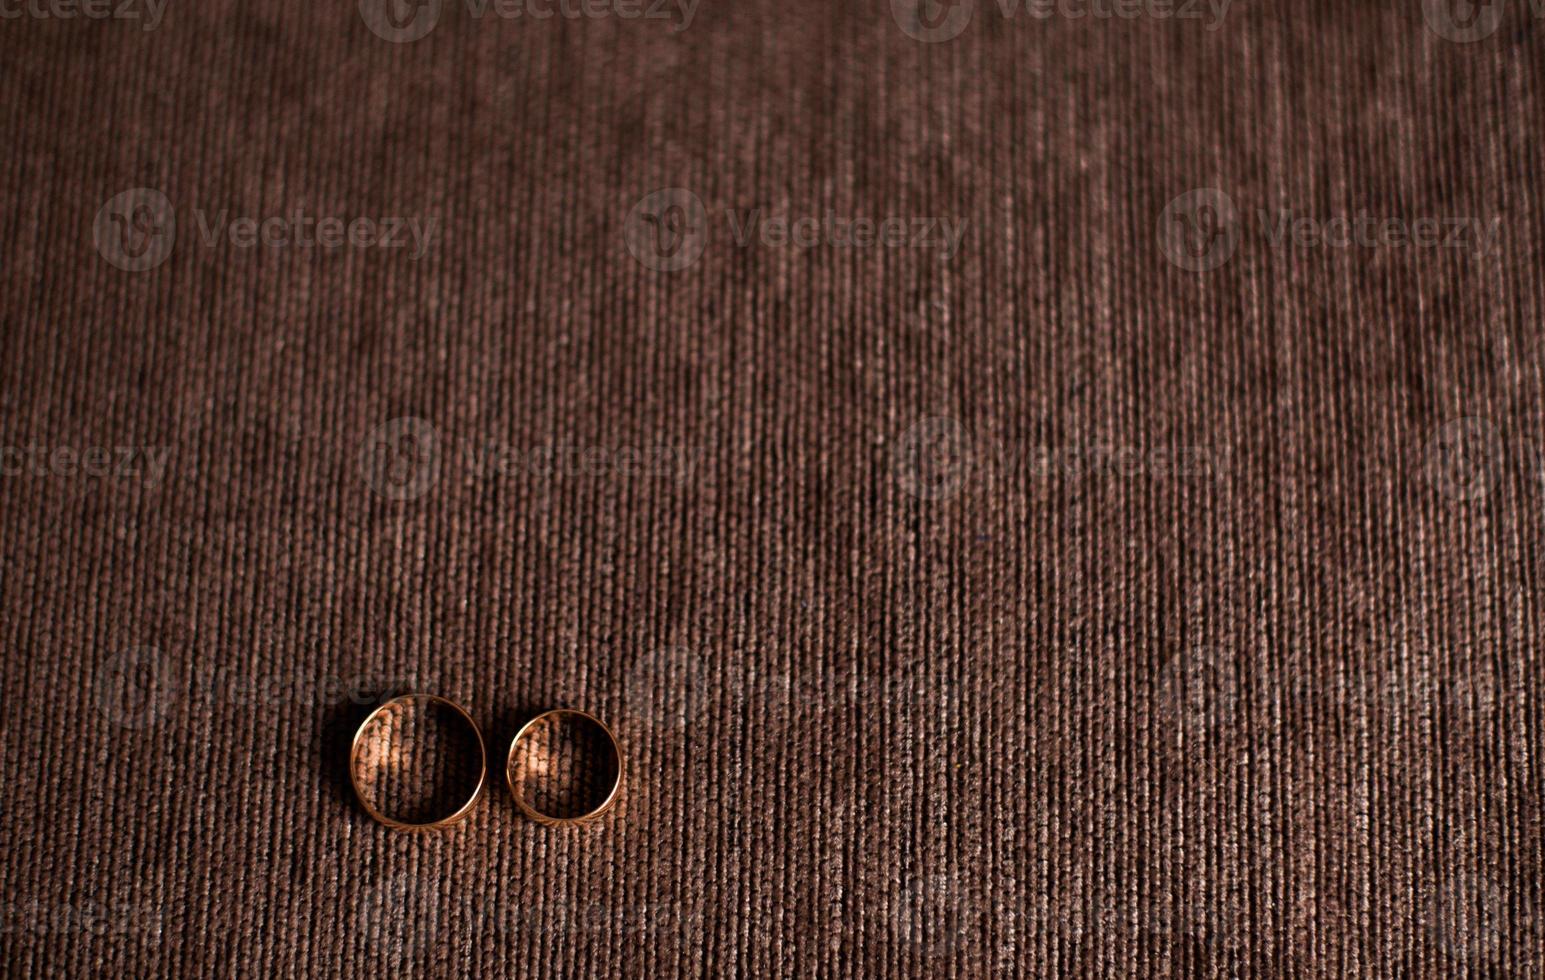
point(549, 819)
point(466, 808)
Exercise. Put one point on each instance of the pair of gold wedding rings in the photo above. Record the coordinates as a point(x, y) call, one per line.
point(510, 775)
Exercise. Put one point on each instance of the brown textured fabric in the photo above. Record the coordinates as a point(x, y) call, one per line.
point(1141, 586)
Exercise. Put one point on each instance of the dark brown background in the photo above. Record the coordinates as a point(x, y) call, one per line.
point(1279, 716)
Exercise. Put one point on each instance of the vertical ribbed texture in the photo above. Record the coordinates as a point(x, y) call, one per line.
point(1280, 715)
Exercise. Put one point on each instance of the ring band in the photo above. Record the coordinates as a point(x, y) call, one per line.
point(549, 819)
point(466, 808)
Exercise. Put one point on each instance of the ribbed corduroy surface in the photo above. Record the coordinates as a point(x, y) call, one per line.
point(1125, 591)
